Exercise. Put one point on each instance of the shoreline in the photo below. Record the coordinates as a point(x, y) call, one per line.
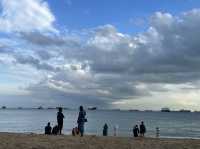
point(40, 141)
point(146, 137)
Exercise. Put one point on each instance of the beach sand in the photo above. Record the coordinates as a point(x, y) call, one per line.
point(35, 141)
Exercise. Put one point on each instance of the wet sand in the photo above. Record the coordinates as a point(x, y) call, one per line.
point(35, 141)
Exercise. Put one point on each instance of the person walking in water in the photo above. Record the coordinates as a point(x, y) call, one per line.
point(105, 130)
point(81, 120)
point(142, 129)
point(135, 131)
point(60, 118)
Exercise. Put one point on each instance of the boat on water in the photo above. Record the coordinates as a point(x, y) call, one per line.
point(4, 107)
point(183, 110)
point(92, 108)
point(165, 110)
point(40, 108)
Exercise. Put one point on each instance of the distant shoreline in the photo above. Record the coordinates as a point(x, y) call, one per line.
point(122, 110)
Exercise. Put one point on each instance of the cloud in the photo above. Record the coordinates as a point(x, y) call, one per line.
point(30, 60)
point(42, 39)
point(26, 16)
point(106, 67)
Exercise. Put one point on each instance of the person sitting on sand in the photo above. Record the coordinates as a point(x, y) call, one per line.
point(73, 132)
point(81, 120)
point(60, 118)
point(48, 129)
point(76, 131)
point(136, 131)
point(105, 130)
point(55, 130)
point(142, 129)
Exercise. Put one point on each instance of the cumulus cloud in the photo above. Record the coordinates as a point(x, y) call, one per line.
point(26, 16)
point(109, 68)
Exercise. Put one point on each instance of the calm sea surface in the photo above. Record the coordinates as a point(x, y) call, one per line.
point(173, 124)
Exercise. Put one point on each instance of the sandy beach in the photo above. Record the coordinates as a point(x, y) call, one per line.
point(35, 141)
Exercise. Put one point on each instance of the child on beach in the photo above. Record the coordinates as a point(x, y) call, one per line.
point(142, 129)
point(55, 130)
point(135, 131)
point(105, 130)
point(48, 129)
point(75, 131)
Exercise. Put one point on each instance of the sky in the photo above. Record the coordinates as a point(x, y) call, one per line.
point(127, 54)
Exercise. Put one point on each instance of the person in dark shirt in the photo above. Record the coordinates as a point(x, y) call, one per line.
point(142, 129)
point(81, 120)
point(48, 129)
point(105, 130)
point(60, 118)
point(135, 131)
point(55, 130)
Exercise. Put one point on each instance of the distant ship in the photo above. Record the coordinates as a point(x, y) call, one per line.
point(40, 108)
point(148, 110)
point(4, 107)
point(134, 110)
point(183, 110)
point(49, 108)
point(92, 108)
point(165, 110)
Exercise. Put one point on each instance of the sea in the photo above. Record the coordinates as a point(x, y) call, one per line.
point(171, 124)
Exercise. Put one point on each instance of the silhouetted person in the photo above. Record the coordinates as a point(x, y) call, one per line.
point(55, 130)
point(136, 131)
point(73, 132)
point(76, 130)
point(60, 118)
point(81, 120)
point(48, 129)
point(105, 130)
point(142, 129)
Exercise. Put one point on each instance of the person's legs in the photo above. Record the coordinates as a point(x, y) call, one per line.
point(60, 126)
point(81, 129)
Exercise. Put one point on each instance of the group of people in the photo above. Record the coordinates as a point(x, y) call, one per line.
point(141, 130)
point(136, 130)
point(79, 130)
point(57, 129)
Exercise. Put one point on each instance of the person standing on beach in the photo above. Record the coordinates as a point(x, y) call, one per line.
point(135, 131)
point(142, 129)
point(60, 118)
point(105, 130)
point(81, 120)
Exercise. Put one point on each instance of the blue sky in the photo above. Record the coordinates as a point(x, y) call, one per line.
point(129, 54)
point(77, 14)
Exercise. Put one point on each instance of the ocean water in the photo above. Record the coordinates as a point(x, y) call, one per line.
point(172, 124)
